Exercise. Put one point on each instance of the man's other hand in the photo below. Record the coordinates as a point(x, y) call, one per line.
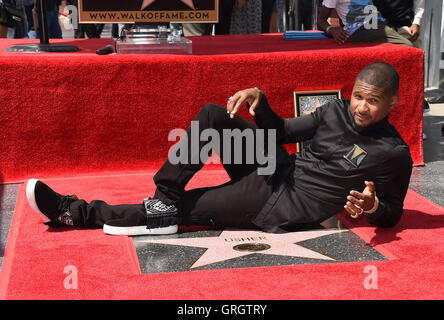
point(252, 96)
point(358, 202)
point(415, 31)
point(239, 3)
point(339, 34)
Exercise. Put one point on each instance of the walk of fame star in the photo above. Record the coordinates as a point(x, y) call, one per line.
point(221, 248)
point(146, 3)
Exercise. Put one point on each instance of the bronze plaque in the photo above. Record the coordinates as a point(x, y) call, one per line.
point(252, 247)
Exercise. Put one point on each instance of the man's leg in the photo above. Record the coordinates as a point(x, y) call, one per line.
point(382, 34)
point(232, 204)
point(197, 29)
point(171, 179)
point(406, 33)
point(396, 38)
point(246, 187)
point(96, 213)
point(225, 11)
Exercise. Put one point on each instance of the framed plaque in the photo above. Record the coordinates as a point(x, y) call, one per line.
point(305, 102)
point(131, 11)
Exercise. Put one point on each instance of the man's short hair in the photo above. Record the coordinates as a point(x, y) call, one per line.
point(382, 75)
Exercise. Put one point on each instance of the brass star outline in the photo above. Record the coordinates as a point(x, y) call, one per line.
point(146, 3)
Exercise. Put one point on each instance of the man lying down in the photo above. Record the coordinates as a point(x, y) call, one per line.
point(356, 161)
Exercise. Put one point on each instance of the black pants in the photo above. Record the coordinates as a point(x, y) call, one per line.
point(232, 204)
point(267, 11)
point(225, 11)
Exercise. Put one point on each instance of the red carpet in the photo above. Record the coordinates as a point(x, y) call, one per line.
point(81, 113)
point(36, 256)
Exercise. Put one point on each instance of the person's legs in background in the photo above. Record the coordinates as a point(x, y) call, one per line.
point(197, 29)
point(3, 31)
point(54, 29)
point(382, 34)
point(225, 10)
point(406, 33)
point(267, 11)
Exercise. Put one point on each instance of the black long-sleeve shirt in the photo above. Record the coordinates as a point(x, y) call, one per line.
point(316, 182)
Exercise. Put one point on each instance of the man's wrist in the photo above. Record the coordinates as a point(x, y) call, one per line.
point(259, 89)
point(375, 206)
point(327, 30)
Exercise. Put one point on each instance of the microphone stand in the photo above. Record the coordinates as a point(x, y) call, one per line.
point(44, 45)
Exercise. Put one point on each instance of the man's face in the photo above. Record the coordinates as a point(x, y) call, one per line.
point(370, 104)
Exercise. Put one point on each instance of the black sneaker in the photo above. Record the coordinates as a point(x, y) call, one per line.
point(52, 206)
point(157, 219)
point(426, 106)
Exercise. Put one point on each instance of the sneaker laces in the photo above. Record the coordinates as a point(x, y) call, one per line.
point(66, 216)
point(66, 201)
point(160, 206)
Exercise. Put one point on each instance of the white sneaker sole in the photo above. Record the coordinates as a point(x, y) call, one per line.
point(30, 196)
point(138, 230)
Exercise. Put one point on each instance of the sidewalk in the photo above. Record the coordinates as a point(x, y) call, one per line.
point(436, 109)
point(429, 180)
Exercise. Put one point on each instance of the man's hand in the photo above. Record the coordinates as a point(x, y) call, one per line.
point(415, 31)
point(358, 202)
point(339, 34)
point(252, 96)
point(239, 3)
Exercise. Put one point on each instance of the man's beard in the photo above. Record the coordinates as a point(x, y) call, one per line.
point(358, 127)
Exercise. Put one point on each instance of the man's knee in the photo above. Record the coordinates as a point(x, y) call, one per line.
point(212, 111)
point(396, 38)
point(211, 108)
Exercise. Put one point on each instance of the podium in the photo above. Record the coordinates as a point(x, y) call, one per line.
point(161, 40)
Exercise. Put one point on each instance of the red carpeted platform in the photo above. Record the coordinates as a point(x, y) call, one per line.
point(80, 113)
point(36, 257)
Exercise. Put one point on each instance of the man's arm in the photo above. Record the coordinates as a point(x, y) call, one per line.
point(384, 199)
point(415, 28)
point(418, 8)
point(391, 188)
point(338, 33)
point(287, 130)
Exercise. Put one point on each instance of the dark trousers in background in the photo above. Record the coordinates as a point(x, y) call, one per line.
point(267, 11)
point(232, 204)
point(93, 31)
point(222, 27)
point(382, 34)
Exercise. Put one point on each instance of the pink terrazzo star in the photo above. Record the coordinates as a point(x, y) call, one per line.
point(221, 248)
point(146, 3)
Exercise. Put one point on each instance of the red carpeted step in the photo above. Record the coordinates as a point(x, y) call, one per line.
point(39, 260)
point(80, 113)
